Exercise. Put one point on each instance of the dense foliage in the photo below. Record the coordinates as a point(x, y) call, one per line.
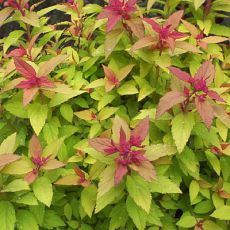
point(116, 117)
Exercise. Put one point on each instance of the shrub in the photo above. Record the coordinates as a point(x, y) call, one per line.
point(116, 116)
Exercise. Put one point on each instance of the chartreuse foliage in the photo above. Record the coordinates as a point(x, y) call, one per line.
point(116, 117)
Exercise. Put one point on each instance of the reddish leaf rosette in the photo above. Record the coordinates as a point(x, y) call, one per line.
point(197, 93)
point(128, 146)
point(116, 11)
point(166, 32)
point(40, 162)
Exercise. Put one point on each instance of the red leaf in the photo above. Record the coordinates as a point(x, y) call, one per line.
point(168, 101)
point(122, 137)
point(103, 145)
point(44, 82)
point(35, 147)
point(111, 78)
point(24, 68)
point(113, 19)
point(120, 172)
point(205, 110)
point(215, 96)
point(6, 159)
point(27, 84)
point(139, 133)
point(18, 52)
point(156, 27)
point(174, 19)
point(182, 75)
point(205, 72)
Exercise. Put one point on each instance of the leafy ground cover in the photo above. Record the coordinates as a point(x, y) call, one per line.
point(115, 116)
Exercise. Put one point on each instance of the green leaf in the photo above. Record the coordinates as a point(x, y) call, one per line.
point(220, 30)
point(106, 112)
point(67, 112)
point(189, 161)
point(194, 189)
point(182, 125)
point(16, 185)
point(214, 161)
point(203, 207)
point(4, 14)
point(8, 145)
point(198, 3)
point(26, 221)
point(60, 98)
point(12, 39)
point(186, 221)
point(31, 18)
point(68, 211)
point(52, 220)
point(37, 114)
point(137, 214)
point(16, 108)
point(7, 215)
point(208, 135)
point(154, 152)
point(222, 213)
point(164, 185)
point(27, 199)
point(150, 4)
point(111, 40)
point(128, 88)
point(145, 91)
point(210, 225)
point(43, 190)
point(119, 217)
point(138, 189)
point(88, 199)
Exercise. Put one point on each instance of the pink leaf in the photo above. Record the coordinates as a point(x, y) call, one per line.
point(44, 82)
point(6, 159)
point(156, 27)
point(103, 145)
point(27, 84)
point(205, 110)
point(30, 177)
point(28, 95)
point(121, 171)
point(171, 42)
point(24, 68)
point(205, 72)
point(182, 75)
point(168, 101)
point(174, 19)
point(18, 52)
point(220, 112)
point(215, 96)
point(139, 133)
point(113, 19)
point(122, 137)
point(144, 42)
point(35, 147)
point(146, 170)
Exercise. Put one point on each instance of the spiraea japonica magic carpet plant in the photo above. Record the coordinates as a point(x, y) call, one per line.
point(114, 116)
